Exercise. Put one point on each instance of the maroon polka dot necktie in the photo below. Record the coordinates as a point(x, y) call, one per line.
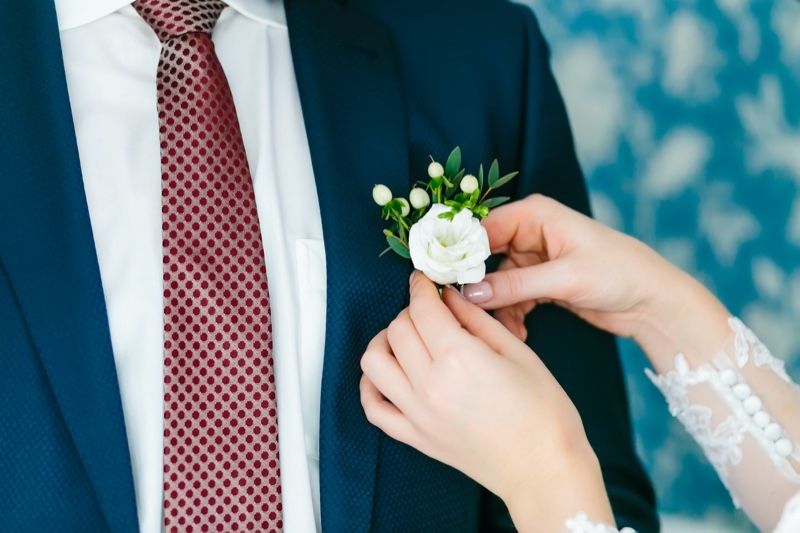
point(221, 462)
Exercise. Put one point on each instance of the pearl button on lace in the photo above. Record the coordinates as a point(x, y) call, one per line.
point(773, 431)
point(762, 419)
point(741, 391)
point(752, 405)
point(784, 447)
point(727, 377)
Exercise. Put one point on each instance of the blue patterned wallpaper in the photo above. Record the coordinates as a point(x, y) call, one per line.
point(687, 122)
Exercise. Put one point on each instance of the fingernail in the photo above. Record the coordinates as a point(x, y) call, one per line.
point(411, 277)
point(478, 293)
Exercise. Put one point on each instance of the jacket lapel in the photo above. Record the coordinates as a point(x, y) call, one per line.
point(355, 118)
point(47, 248)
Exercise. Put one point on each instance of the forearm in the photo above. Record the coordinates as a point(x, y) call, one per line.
point(577, 489)
point(681, 316)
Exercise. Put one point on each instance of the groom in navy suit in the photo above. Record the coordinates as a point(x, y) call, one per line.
point(383, 84)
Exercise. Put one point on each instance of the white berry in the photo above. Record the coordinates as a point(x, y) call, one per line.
point(406, 208)
point(469, 183)
point(381, 194)
point(419, 198)
point(435, 170)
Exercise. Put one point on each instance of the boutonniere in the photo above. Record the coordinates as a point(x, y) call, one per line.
point(438, 227)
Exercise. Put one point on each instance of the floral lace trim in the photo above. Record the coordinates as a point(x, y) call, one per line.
point(746, 342)
point(790, 519)
point(722, 445)
point(580, 524)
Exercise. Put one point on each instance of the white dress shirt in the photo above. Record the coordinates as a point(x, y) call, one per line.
point(110, 57)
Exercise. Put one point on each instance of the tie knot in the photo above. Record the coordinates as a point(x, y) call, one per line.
point(171, 18)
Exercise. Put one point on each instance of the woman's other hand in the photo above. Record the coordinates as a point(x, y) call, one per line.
point(613, 281)
point(449, 380)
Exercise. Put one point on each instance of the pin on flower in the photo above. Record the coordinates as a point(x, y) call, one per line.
point(440, 230)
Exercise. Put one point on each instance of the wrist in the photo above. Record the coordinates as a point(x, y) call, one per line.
point(682, 317)
point(576, 488)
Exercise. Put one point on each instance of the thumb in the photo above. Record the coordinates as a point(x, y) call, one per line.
point(550, 280)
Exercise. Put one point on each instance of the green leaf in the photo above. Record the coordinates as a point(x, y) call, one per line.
point(399, 247)
point(388, 233)
point(456, 183)
point(494, 202)
point(448, 215)
point(475, 196)
point(435, 184)
point(453, 163)
point(494, 173)
point(505, 179)
point(480, 178)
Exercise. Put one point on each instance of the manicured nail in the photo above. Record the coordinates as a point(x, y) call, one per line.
point(478, 293)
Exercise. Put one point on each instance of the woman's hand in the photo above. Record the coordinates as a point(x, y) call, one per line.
point(449, 380)
point(555, 254)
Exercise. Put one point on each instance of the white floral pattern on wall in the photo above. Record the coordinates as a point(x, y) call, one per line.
point(686, 116)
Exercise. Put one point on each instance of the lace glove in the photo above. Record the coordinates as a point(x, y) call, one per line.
point(744, 411)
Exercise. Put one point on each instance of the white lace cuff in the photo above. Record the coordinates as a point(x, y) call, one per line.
point(580, 524)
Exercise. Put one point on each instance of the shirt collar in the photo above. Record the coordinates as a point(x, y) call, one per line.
point(74, 13)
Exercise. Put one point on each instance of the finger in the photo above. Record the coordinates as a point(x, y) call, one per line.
point(433, 321)
point(479, 324)
point(552, 280)
point(381, 413)
point(408, 348)
point(520, 225)
point(513, 321)
point(383, 370)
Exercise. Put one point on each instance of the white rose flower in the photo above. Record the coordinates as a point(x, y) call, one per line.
point(419, 198)
point(469, 183)
point(435, 170)
point(381, 194)
point(449, 251)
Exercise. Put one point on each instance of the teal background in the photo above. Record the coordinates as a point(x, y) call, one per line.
point(686, 116)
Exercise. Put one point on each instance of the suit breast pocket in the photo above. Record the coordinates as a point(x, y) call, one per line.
point(312, 299)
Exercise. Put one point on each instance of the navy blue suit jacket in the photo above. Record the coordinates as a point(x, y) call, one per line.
point(383, 84)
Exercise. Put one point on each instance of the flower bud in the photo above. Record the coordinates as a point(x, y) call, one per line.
point(381, 194)
point(406, 208)
point(419, 198)
point(435, 170)
point(469, 183)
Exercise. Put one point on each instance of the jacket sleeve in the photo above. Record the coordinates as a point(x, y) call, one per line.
point(584, 359)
